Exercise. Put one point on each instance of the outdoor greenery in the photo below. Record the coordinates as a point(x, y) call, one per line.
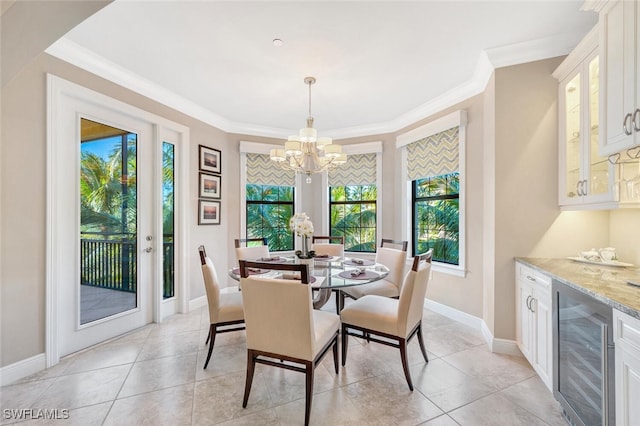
point(436, 217)
point(108, 219)
point(269, 209)
point(353, 215)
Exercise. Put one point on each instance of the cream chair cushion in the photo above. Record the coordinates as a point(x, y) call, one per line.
point(329, 249)
point(390, 286)
point(396, 317)
point(252, 253)
point(223, 307)
point(380, 288)
point(395, 260)
point(280, 318)
point(374, 312)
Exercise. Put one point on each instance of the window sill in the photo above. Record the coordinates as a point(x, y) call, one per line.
point(456, 271)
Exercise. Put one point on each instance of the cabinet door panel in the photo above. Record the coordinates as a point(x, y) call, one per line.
point(627, 387)
point(573, 148)
point(618, 26)
point(543, 363)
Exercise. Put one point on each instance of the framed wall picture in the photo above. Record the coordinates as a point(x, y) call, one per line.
point(208, 212)
point(210, 159)
point(210, 186)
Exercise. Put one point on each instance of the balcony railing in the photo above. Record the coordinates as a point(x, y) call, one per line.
point(110, 261)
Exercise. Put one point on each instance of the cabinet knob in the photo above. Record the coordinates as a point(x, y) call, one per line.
point(530, 278)
point(636, 120)
point(627, 131)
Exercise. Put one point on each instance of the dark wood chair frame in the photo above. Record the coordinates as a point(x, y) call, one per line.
point(220, 327)
point(246, 241)
point(393, 341)
point(340, 295)
point(402, 243)
point(303, 366)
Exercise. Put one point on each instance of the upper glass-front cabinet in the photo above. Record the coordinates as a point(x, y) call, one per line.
point(586, 178)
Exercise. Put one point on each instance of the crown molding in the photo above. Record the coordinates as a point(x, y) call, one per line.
point(490, 59)
point(533, 50)
point(581, 52)
point(81, 57)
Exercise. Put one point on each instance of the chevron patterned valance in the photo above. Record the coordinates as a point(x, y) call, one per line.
point(434, 155)
point(262, 171)
point(360, 169)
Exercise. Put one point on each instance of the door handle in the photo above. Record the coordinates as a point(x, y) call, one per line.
point(148, 250)
point(624, 124)
point(585, 187)
point(578, 188)
point(531, 303)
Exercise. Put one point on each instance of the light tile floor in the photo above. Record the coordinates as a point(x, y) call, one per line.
point(154, 376)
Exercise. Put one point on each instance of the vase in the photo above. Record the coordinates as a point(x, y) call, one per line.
point(305, 247)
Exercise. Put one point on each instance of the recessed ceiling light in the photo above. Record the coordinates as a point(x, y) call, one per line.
point(277, 42)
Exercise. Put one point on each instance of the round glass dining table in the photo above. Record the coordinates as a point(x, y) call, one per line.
point(326, 274)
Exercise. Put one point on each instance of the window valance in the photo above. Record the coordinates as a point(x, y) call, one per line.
point(262, 171)
point(434, 155)
point(360, 169)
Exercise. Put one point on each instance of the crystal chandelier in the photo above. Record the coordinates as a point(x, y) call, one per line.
point(306, 153)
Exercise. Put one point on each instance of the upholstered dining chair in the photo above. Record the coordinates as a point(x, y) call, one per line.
point(396, 320)
point(282, 325)
point(330, 245)
point(225, 309)
point(392, 258)
point(254, 248)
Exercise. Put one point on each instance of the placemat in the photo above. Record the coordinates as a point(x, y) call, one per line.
point(365, 262)
point(325, 259)
point(366, 275)
point(285, 276)
point(271, 260)
point(252, 271)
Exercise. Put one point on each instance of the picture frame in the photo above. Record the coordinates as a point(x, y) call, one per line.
point(210, 159)
point(208, 212)
point(210, 186)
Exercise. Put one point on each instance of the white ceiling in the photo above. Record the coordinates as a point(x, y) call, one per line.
point(379, 65)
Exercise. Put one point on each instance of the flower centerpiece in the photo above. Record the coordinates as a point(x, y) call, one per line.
point(302, 226)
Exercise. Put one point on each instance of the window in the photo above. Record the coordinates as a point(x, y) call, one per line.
point(436, 217)
point(433, 200)
point(269, 209)
point(353, 215)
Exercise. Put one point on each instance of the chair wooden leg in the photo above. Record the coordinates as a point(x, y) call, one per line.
point(338, 295)
point(251, 365)
point(421, 341)
point(405, 364)
point(208, 337)
point(335, 354)
point(212, 340)
point(345, 336)
point(309, 368)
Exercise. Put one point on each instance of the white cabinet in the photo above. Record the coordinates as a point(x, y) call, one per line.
point(533, 320)
point(626, 335)
point(620, 54)
point(586, 180)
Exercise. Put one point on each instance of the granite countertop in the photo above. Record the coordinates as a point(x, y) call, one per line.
point(605, 283)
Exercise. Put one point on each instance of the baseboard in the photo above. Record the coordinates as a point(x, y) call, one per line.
point(501, 346)
point(454, 314)
point(198, 302)
point(16, 371)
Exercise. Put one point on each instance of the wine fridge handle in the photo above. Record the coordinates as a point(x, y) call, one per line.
point(605, 373)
